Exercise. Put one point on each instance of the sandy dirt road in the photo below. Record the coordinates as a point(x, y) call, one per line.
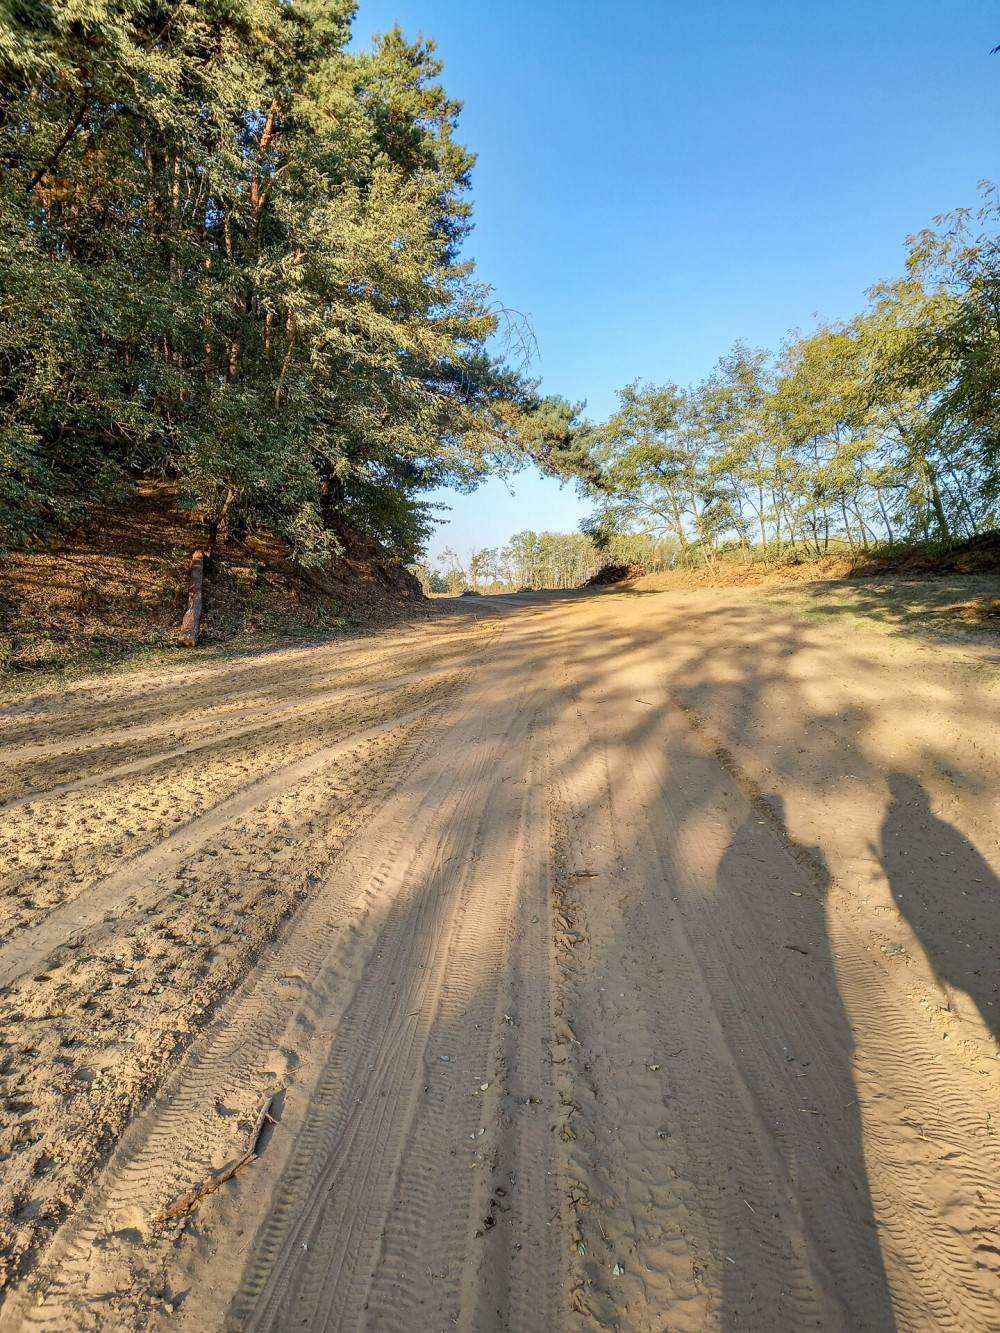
point(622, 961)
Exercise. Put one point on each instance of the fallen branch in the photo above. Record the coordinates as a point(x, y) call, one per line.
point(184, 1202)
point(191, 624)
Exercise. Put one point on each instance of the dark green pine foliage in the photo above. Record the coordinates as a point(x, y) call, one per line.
point(231, 257)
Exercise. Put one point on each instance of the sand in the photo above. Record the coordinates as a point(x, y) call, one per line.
point(621, 961)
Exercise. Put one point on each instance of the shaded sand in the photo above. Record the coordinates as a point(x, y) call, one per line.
point(622, 961)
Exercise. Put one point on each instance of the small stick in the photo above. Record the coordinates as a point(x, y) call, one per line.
point(184, 1202)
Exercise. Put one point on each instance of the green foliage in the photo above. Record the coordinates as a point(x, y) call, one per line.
point(959, 352)
point(231, 251)
point(880, 429)
point(430, 579)
point(565, 560)
point(651, 466)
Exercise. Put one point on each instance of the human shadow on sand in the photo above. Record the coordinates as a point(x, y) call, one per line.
point(948, 893)
point(792, 1039)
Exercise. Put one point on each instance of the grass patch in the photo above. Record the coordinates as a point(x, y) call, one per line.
point(956, 607)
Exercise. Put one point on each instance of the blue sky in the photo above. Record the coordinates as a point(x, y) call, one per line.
point(658, 178)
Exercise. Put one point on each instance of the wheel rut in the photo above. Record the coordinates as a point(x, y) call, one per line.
point(570, 1013)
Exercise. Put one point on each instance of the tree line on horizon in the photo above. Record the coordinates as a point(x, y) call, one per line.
point(543, 560)
point(882, 429)
point(232, 259)
point(878, 431)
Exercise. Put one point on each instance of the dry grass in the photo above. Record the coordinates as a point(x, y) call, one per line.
point(956, 607)
point(115, 591)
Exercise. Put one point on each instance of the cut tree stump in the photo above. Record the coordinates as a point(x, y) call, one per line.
point(191, 624)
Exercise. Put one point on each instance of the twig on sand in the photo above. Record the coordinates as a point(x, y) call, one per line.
point(184, 1202)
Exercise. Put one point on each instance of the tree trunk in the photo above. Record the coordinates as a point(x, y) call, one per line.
point(939, 514)
point(191, 624)
point(214, 524)
point(885, 516)
point(847, 525)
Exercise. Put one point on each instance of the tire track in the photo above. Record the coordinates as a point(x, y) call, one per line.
point(569, 1032)
point(259, 1042)
point(900, 1067)
point(677, 1025)
point(274, 716)
point(930, 1128)
point(80, 710)
point(138, 883)
point(509, 1282)
point(370, 1120)
point(314, 1042)
point(482, 1024)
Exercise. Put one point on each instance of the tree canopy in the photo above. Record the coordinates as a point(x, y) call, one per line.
point(232, 257)
point(880, 428)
